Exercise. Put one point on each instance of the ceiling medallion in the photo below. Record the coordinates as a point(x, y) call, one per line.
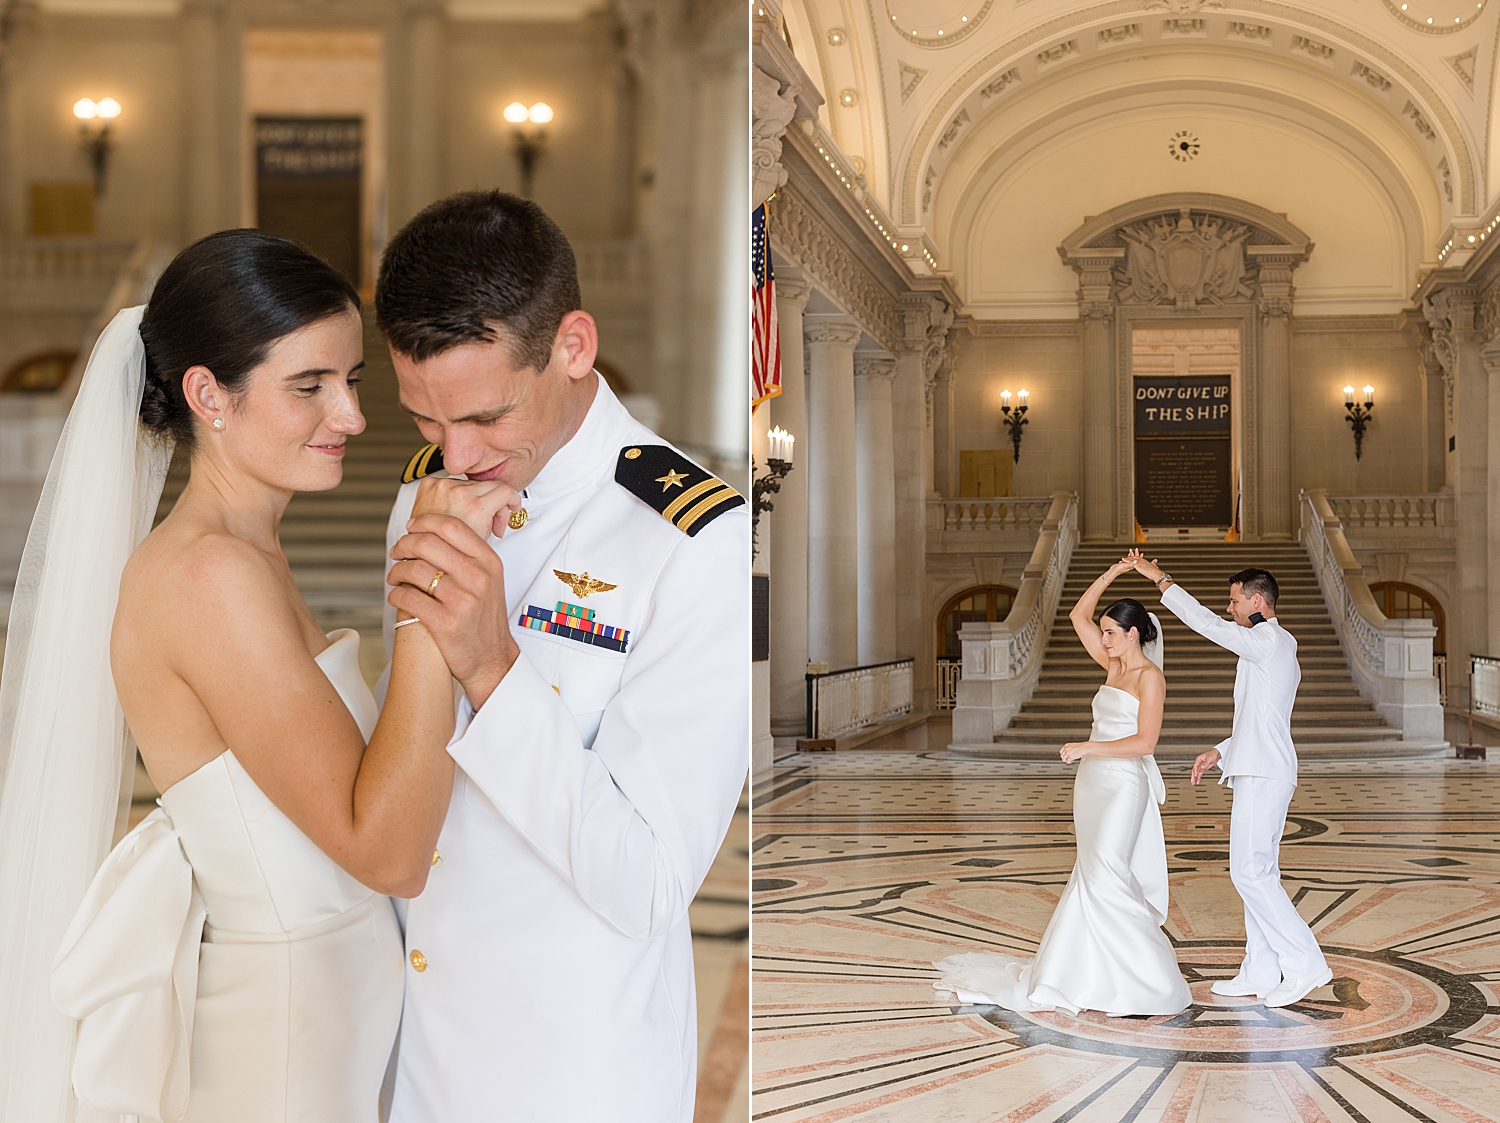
point(1436, 17)
point(1183, 145)
point(936, 23)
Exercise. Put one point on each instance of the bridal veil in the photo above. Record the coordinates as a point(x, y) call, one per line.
point(66, 758)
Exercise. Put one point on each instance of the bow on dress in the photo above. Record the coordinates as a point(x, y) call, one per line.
point(128, 971)
point(1149, 861)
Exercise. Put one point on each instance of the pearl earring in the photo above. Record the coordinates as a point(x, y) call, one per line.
point(218, 423)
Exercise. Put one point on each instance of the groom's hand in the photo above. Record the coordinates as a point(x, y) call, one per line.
point(465, 611)
point(1203, 763)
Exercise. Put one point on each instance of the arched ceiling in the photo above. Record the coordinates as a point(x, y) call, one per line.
point(963, 99)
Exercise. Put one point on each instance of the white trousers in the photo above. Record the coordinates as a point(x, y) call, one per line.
point(1278, 942)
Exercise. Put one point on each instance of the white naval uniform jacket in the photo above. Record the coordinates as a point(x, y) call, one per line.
point(593, 790)
point(1265, 688)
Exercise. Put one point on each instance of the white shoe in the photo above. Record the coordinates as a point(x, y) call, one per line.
point(1295, 990)
point(1237, 988)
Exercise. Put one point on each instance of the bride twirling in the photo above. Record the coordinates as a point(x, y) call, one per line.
point(1104, 948)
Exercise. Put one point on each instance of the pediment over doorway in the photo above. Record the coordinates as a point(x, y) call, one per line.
point(1188, 250)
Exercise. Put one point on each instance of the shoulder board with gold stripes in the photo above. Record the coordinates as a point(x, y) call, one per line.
point(674, 487)
point(428, 459)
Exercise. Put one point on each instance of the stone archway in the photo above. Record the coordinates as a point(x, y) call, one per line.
point(1183, 258)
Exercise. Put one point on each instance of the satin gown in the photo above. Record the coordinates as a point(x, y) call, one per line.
point(1104, 948)
point(225, 970)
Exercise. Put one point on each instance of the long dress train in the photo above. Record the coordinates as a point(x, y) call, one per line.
point(226, 970)
point(1104, 948)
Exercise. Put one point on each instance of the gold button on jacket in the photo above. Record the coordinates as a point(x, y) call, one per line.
point(418, 960)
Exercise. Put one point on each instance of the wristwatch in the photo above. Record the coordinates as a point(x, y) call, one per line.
point(1163, 577)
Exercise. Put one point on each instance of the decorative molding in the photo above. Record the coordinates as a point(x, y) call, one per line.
point(874, 366)
point(932, 42)
point(1413, 114)
point(954, 128)
point(1312, 47)
point(1064, 50)
point(772, 112)
point(918, 155)
point(1463, 65)
point(1011, 77)
point(1182, 7)
point(1429, 27)
point(1187, 261)
point(910, 78)
point(1124, 33)
point(843, 330)
point(1447, 175)
point(1255, 32)
point(1373, 77)
point(1180, 27)
point(801, 233)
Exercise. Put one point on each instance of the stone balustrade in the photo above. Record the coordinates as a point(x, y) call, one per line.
point(1398, 513)
point(1391, 660)
point(844, 702)
point(1001, 660)
point(1002, 513)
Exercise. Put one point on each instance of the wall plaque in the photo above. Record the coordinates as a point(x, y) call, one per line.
point(1183, 452)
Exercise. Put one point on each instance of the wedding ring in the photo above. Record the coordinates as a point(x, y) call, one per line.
point(433, 584)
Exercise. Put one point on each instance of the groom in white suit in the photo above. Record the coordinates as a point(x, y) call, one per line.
point(1283, 962)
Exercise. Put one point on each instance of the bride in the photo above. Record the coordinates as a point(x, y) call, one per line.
point(1104, 948)
point(235, 957)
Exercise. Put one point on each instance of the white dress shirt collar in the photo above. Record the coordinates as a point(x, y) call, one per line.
point(592, 450)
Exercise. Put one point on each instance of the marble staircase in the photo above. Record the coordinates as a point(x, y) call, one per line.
point(1331, 719)
point(335, 540)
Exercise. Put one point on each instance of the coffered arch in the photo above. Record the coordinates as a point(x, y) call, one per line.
point(1338, 60)
point(1029, 171)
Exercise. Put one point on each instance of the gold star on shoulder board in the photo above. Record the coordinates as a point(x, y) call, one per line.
point(582, 584)
point(672, 477)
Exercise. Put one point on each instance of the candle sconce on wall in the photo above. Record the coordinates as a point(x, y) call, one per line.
point(1358, 415)
point(778, 464)
point(528, 137)
point(1015, 420)
point(95, 122)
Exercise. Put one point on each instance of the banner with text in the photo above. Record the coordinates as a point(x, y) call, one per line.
point(1183, 451)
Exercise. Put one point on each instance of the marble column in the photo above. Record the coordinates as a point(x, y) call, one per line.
point(832, 493)
point(1459, 348)
point(1434, 426)
point(788, 519)
point(425, 31)
point(201, 21)
point(875, 470)
point(1274, 409)
point(1099, 469)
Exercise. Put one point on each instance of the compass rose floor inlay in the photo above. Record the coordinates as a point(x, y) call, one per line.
point(867, 867)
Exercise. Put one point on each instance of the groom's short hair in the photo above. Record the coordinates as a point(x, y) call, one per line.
point(471, 264)
point(1252, 581)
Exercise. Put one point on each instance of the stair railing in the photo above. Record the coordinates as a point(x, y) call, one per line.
point(1391, 660)
point(1002, 660)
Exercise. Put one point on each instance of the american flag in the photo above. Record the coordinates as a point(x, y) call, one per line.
point(765, 339)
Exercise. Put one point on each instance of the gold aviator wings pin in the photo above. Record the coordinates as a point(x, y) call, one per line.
point(582, 584)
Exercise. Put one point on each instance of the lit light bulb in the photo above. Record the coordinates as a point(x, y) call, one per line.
point(540, 113)
point(1369, 395)
point(1021, 398)
point(1348, 395)
point(109, 107)
point(1004, 399)
point(85, 109)
point(515, 113)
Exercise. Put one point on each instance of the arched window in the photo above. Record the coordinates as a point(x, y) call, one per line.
point(1400, 601)
point(984, 602)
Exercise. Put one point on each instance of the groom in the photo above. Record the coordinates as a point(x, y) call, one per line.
point(603, 736)
point(1282, 963)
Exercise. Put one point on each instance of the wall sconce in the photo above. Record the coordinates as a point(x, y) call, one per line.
point(1359, 416)
point(528, 136)
point(778, 464)
point(1014, 421)
point(94, 122)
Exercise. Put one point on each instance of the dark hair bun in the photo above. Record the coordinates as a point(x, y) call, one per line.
point(221, 304)
point(1130, 613)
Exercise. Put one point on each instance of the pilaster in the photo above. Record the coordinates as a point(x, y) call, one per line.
point(875, 469)
point(788, 551)
point(1275, 415)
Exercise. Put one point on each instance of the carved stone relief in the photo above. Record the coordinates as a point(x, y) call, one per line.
point(1185, 261)
point(772, 112)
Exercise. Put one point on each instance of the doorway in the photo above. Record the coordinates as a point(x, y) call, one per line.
point(307, 185)
point(1185, 383)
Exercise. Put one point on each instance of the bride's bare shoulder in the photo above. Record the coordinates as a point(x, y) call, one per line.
point(189, 567)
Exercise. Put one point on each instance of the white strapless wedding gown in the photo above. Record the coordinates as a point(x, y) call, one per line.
point(226, 970)
point(1104, 948)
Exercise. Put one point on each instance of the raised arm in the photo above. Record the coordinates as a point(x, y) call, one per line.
point(1082, 615)
point(1207, 623)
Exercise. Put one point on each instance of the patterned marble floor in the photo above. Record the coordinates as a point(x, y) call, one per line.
point(869, 866)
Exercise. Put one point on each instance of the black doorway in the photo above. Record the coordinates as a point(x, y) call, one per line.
point(307, 184)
